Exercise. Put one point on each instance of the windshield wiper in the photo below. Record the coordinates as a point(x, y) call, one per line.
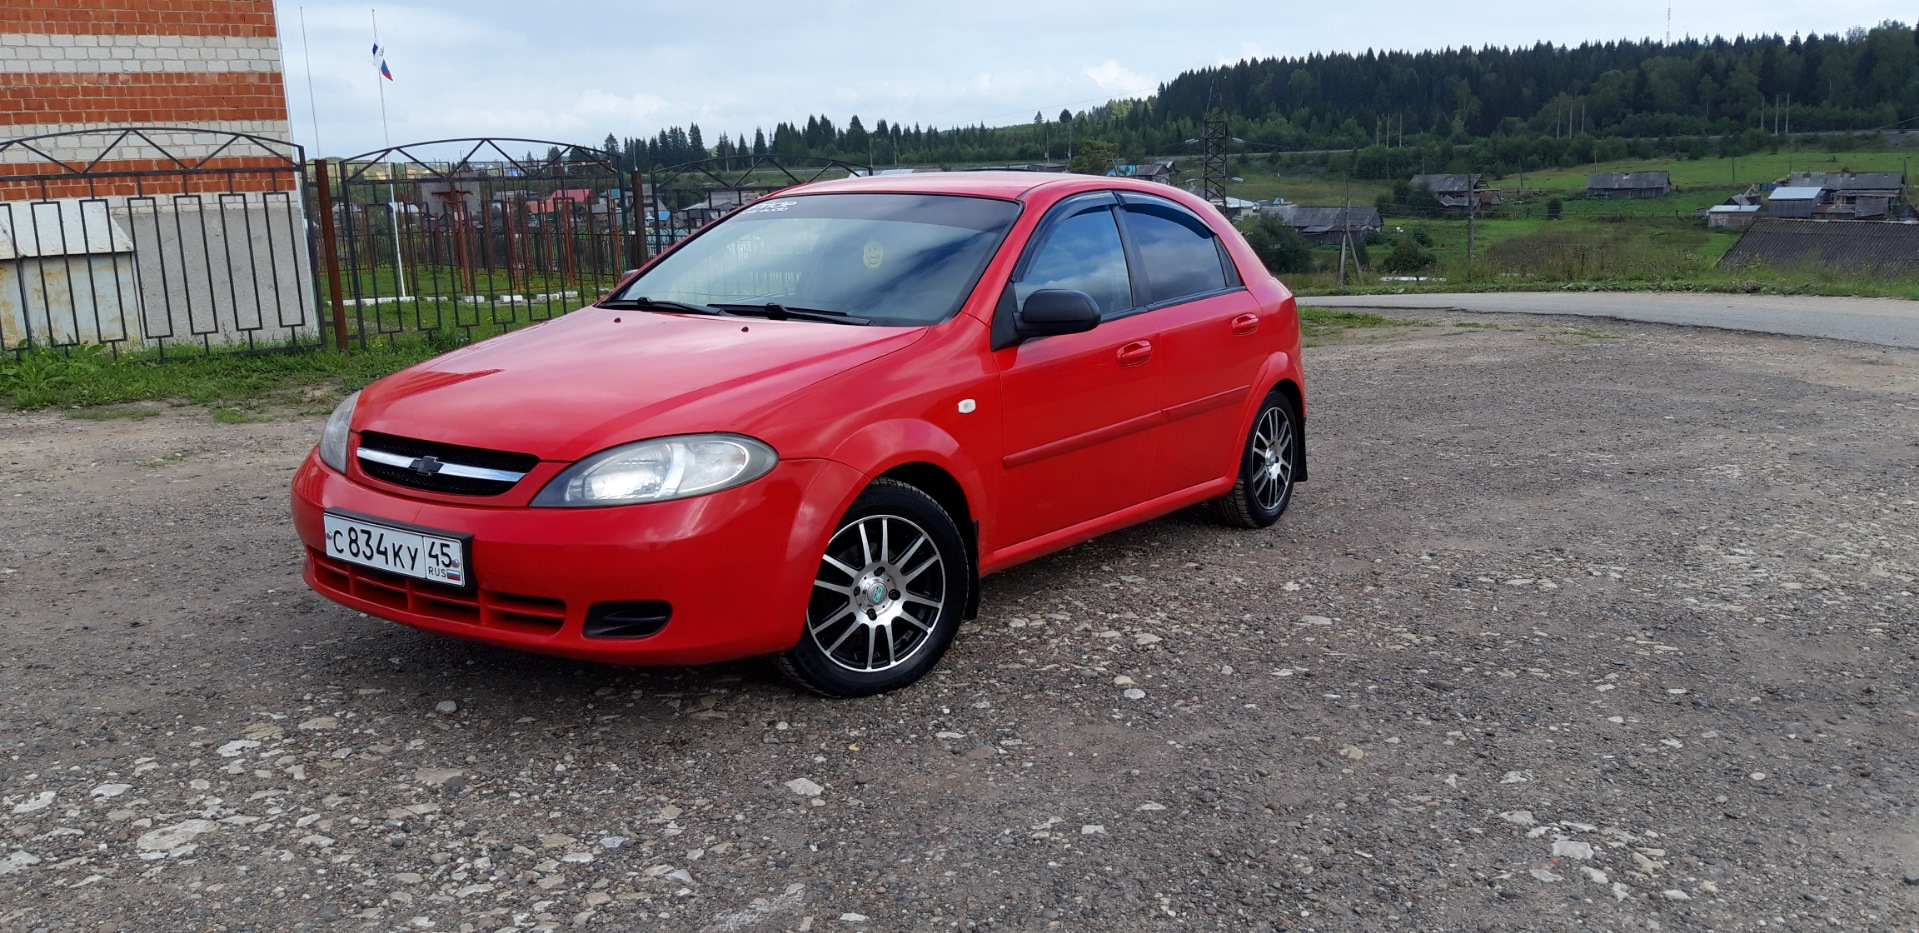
point(644, 303)
point(775, 311)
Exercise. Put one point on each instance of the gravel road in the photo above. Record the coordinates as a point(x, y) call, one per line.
point(1886, 322)
point(1579, 625)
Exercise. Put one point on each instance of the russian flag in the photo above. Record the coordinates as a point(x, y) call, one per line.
point(383, 70)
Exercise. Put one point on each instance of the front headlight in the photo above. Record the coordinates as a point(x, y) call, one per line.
point(659, 470)
point(333, 438)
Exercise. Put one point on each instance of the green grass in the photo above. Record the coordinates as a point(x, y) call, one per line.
point(1319, 325)
point(236, 385)
point(1598, 244)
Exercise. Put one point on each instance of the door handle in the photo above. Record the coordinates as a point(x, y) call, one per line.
point(1245, 324)
point(1135, 353)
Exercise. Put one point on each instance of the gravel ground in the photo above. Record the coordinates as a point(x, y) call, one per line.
point(1579, 625)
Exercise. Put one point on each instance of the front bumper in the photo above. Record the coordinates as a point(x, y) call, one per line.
point(736, 566)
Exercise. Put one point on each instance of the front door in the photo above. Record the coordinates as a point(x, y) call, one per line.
point(1080, 409)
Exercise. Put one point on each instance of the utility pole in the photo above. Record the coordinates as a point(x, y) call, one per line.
point(1472, 218)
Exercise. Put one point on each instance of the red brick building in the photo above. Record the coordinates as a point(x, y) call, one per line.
point(115, 233)
point(68, 65)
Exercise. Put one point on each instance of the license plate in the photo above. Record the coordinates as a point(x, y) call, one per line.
point(416, 553)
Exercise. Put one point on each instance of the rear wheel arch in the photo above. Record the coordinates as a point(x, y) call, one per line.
point(1290, 389)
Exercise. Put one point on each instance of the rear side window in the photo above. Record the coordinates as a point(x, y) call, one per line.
point(1178, 251)
point(1082, 253)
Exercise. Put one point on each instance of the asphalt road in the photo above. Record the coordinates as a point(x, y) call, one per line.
point(1886, 322)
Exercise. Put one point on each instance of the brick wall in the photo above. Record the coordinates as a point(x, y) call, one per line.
point(100, 66)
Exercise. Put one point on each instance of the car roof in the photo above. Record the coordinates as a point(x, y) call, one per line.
point(1010, 185)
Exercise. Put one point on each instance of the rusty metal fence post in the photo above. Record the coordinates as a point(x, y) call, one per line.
point(330, 255)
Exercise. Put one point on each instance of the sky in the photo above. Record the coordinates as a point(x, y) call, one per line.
point(573, 71)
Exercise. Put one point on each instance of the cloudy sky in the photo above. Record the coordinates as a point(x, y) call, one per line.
point(574, 70)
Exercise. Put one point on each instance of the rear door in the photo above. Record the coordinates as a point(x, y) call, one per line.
point(1210, 338)
point(1080, 410)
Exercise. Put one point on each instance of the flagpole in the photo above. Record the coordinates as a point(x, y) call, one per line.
point(313, 109)
point(392, 202)
point(384, 134)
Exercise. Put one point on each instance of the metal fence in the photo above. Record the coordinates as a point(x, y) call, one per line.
point(464, 237)
point(158, 240)
point(681, 199)
point(154, 239)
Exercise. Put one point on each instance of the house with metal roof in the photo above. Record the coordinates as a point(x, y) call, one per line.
point(1799, 202)
point(1628, 184)
point(1854, 195)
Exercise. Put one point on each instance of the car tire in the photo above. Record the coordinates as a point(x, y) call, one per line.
point(889, 595)
point(1267, 465)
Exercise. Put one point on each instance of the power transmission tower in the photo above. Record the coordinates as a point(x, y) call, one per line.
point(1215, 140)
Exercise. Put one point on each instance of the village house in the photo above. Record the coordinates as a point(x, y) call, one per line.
point(1456, 192)
point(1628, 184)
point(1851, 195)
point(1328, 224)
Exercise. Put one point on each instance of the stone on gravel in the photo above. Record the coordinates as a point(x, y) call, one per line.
point(1092, 829)
point(320, 724)
point(436, 777)
point(1518, 817)
point(237, 747)
point(446, 707)
point(1593, 875)
point(37, 802)
point(1516, 777)
point(1572, 848)
point(17, 862)
point(1674, 894)
point(853, 918)
point(1134, 693)
point(1315, 620)
point(804, 787)
point(1540, 874)
point(169, 838)
point(108, 791)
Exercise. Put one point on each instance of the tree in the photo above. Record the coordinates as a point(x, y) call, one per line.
point(1065, 116)
point(1279, 247)
point(1095, 157)
point(1555, 209)
point(1407, 257)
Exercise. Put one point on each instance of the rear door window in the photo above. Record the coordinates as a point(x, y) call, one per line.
point(1179, 255)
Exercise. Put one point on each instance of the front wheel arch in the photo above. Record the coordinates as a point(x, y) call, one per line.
point(946, 490)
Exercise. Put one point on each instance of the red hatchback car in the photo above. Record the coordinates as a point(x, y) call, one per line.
point(810, 429)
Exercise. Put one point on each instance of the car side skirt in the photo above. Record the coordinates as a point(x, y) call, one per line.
point(1086, 531)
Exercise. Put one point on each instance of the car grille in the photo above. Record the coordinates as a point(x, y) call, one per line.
point(532, 615)
point(449, 468)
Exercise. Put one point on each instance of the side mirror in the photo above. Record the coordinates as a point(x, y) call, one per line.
point(1052, 311)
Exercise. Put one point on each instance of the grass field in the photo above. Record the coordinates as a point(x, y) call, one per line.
point(1597, 243)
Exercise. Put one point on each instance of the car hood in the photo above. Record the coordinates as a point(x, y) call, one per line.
point(596, 378)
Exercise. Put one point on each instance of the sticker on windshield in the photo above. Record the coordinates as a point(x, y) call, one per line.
point(874, 254)
point(771, 207)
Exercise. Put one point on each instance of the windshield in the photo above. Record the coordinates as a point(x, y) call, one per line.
point(901, 260)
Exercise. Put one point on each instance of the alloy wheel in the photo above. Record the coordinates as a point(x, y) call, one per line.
point(1272, 458)
point(878, 594)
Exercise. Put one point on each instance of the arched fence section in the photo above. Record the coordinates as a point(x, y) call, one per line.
point(470, 237)
point(154, 240)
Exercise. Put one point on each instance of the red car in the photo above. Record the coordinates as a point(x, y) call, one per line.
point(810, 429)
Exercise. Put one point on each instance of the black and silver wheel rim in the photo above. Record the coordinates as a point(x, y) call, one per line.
point(1272, 474)
point(878, 594)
